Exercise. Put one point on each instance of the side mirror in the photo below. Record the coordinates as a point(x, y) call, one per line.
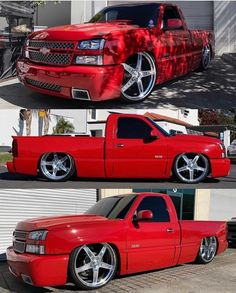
point(144, 215)
point(154, 134)
point(174, 23)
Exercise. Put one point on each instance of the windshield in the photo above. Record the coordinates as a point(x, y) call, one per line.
point(115, 207)
point(165, 133)
point(144, 15)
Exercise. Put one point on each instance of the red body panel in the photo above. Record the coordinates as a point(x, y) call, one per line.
point(101, 158)
point(176, 52)
point(135, 245)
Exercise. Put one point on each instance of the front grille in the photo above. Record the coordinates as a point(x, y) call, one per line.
point(50, 58)
point(51, 45)
point(232, 228)
point(44, 85)
point(19, 241)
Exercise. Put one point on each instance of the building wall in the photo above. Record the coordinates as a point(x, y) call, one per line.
point(111, 192)
point(225, 26)
point(202, 204)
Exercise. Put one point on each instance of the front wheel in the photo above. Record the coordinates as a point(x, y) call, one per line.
point(139, 77)
point(191, 168)
point(207, 251)
point(56, 166)
point(93, 266)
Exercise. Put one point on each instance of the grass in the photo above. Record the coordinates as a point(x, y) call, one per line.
point(4, 157)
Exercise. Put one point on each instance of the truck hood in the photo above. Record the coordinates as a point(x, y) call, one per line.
point(53, 222)
point(77, 32)
point(194, 138)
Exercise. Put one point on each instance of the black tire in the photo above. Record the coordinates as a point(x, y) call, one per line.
point(133, 94)
point(73, 261)
point(206, 59)
point(63, 175)
point(200, 259)
point(199, 175)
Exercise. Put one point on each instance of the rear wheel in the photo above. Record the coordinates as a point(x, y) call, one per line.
point(139, 77)
point(207, 251)
point(56, 166)
point(93, 266)
point(206, 58)
point(191, 168)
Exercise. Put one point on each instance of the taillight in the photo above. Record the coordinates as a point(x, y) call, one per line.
point(15, 148)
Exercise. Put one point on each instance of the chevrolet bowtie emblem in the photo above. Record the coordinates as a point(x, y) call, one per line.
point(44, 50)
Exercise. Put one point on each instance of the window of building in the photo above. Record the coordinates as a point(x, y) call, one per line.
point(133, 128)
point(93, 114)
point(158, 207)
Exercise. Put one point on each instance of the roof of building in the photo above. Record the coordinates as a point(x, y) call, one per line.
point(159, 117)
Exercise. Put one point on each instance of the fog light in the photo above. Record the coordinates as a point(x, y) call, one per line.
point(93, 60)
point(35, 249)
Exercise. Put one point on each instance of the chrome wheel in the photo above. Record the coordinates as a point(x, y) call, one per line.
point(206, 57)
point(191, 168)
point(94, 265)
point(208, 249)
point(56, 166)
point(139, 77)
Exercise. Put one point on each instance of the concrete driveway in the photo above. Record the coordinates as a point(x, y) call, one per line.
point(218, 276)
point(214, 88)
point(8, 180)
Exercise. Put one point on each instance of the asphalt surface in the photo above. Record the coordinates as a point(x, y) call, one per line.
point(218, 276)
point(8, 180)
point(214, 88)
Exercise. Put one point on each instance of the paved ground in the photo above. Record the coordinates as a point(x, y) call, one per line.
point(214, 88)
point(218, 276)
point(21, 181)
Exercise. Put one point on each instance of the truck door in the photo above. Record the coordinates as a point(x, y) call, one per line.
point(175, 56)
point(152, 244)
point(133, 153)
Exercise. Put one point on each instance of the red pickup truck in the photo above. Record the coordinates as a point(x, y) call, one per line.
point(122, 235)
point(134, 147)
point(123, 51)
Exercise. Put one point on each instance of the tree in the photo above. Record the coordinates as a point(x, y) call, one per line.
point(63, 126)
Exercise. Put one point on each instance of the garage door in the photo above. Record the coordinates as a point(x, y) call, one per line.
point(18, 204)
point(198, 14)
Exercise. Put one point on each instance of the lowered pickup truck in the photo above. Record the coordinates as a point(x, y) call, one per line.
point(123, 51)
point(122, 235)
point(134, 147)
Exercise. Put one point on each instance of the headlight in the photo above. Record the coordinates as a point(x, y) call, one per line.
point(35, 249)
point(91, 44)
point(90, 60)
point(38, 235)
point(27, 42)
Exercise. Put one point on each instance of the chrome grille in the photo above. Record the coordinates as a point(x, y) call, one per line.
point(19, 235)
point(44, 85)
point(19, 246)
point(50, 58)
point(19, 241)
point(51, 45)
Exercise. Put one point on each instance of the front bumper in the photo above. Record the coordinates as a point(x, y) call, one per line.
point(101, 82)
point(220, 167)
point(46, 270)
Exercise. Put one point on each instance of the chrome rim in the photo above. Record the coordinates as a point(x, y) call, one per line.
point(56, 166)
point(206, 57)
point(139, 77)
point(208, 248)
point(191, 167)
point(95, 264)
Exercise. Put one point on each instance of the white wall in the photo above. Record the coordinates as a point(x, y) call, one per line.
point(222, 204)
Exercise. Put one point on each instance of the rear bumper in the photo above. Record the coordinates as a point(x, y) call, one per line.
point(101, 82)
point(220, 167)
point(23, 166)
point(38, 270)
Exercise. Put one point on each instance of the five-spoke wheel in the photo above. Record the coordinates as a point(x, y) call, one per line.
point(139, 77)
point(191, 168)
point(206, 58)
point(56, 166)
point(92, 266)
point(207, 251)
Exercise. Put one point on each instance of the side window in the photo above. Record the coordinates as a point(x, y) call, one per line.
point(158, 207)
point(170, 13)
point(133, 128)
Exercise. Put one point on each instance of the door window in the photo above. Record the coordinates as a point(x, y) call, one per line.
point(133, 128)
point(158, 207)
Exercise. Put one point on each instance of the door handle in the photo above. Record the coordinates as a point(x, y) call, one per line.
point(169, 230)
point(120, 145)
